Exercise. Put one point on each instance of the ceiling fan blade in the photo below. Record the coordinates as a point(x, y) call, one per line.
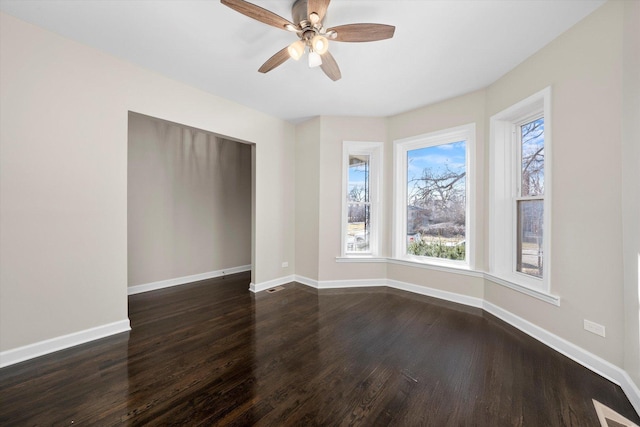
point(257, 13)
point(275, 60)
point(330, 67)
point(362, 32)
point(317, 6)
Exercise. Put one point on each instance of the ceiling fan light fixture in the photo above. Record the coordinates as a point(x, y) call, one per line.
point(320, 44)
point(296, 49)
point(314, 59)
point(307, 23)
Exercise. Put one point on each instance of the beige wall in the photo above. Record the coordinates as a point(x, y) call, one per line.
point(63, 179)
point(307, 197)
point(318, 196)
point(631, 186)
point(584, 69)
point(335, 130)
point(189, 201)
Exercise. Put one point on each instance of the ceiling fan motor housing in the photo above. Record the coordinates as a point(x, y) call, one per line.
point(299, 11)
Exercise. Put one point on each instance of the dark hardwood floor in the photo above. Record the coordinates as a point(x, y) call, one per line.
point(212, 353)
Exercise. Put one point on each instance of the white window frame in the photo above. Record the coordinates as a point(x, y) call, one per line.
point(400, 148)
point(374, 150)
point(504, 170)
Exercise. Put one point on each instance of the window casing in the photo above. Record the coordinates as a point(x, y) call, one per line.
point(520, 202)
point(361, 195)
point(433, 199)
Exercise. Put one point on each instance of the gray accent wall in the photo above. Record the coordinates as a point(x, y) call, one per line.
point(189, 201)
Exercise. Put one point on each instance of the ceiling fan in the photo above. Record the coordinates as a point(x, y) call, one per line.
point(313, 36)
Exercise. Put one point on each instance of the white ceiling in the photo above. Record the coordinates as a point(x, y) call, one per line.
point(441, 48)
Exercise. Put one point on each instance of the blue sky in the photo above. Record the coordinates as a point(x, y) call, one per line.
point(357, 177)
point(437, 158)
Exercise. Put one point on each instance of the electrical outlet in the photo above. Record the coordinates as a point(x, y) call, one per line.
point(285, 264)
point(593, 327)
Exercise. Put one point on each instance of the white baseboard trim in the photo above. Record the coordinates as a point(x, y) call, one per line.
point(259, 287)
point(351, 283)
point(340, 284)
point(436, 293)
point(396, 284)
point(306, 281)
point(137, 289)
point(631, 389)
point(20, 354)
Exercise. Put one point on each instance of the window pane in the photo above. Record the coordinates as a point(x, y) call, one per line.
point(436, 201)
point(358, 187)
point(530, 256)
point(532, 178)
point(358, 227)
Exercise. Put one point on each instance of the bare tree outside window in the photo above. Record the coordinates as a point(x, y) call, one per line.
point(436, 201)
point(530, 201)
point(359, 204)
point(532, 181)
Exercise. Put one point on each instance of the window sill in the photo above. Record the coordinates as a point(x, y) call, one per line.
point(536, 293)
point(360, 258)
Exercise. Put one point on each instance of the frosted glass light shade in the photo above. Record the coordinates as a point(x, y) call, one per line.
point(296, 50)
point(314, 59)
point(320, 44)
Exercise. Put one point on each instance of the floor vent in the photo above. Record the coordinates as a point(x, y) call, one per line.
point(276, 289)
point(610, 418)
